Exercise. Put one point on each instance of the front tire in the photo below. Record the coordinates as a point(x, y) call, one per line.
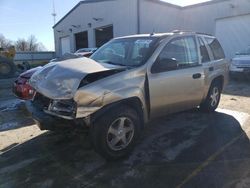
point(114, 134)
point(213, 98)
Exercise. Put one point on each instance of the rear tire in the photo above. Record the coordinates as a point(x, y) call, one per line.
point(114, 134)
point(7, 68)
point(213, 98)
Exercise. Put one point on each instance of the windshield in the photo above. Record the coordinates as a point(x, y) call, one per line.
point(244, 52)
point(126, 52)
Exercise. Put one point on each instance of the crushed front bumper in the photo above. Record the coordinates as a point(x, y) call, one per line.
point(49, 122)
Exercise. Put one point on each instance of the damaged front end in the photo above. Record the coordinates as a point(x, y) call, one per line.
point(57, 84)
point(51, 114)
point(62, 108)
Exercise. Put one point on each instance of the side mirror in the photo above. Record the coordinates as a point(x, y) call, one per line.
point(165, 64)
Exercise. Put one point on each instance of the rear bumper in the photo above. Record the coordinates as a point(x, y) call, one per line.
point(48, 122)
point(239, 69)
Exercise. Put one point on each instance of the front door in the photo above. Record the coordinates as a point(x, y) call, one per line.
point(176, 79)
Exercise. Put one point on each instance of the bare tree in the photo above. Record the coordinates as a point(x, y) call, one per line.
point(41, 47)
point(30, 44)
point(21, 45)
point(4, 43)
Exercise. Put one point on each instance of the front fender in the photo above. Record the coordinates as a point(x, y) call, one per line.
point(110, 97)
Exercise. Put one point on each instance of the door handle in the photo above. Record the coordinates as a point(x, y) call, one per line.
point(197, 75)
point(211, 69)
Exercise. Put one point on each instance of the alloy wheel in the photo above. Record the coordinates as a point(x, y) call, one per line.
point(120, 133)
point(215, 95)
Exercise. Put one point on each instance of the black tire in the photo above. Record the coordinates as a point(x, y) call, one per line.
point(101, 137)
point(7, 68)
point(209, 105)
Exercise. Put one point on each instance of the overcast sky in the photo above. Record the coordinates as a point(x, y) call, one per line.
point(21, 18)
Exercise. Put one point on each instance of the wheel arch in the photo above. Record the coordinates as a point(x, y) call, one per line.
point(220, 80)
point(132, 102)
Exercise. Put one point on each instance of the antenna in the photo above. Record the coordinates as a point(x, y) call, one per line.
point(54, 12)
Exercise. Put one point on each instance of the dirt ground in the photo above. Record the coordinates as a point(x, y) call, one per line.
point(188, 149)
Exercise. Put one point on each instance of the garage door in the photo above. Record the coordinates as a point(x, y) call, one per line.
point(103, 35)
point(233, 33)
point(65, 45)
point(81, 40)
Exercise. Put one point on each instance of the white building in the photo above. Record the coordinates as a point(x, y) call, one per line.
point(93, 22)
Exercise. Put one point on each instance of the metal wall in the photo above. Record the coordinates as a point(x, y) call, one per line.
point(233, 33)
point(89, 16)
point(147, 16)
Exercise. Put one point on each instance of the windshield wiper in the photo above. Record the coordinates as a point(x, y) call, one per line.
point(112, 63)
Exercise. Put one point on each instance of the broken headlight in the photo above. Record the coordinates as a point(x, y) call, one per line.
point(63, 108)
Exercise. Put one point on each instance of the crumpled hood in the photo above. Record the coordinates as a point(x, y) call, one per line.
point(60, 80)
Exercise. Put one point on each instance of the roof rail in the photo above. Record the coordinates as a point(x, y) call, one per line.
point(188, 31)
point(201, 33)
point(181, 31)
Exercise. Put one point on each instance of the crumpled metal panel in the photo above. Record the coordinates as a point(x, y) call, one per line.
point(121, 86)
point(60, 80)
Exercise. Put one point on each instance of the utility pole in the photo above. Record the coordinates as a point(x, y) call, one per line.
point(54, 12)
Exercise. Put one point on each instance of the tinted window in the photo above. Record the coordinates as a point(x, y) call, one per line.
point(203, 51)
point(215, 46)
point(182, 50)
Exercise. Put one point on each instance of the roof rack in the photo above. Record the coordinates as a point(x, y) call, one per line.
point(188, 31)
point(204, 34)
point(181, 31)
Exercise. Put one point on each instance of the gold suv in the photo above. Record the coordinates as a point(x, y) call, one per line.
point(127, 82)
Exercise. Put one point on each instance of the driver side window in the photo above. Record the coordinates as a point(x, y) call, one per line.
point(177, 54)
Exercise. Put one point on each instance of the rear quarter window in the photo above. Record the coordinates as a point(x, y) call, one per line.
point(215, 47)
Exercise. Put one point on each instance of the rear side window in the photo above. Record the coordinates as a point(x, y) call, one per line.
point(216, 48)
point(203, 50)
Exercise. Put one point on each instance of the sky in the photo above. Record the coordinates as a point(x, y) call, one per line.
point(22, 18)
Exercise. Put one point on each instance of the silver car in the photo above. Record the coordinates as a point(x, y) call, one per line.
point(127, 82)
point(240, 65)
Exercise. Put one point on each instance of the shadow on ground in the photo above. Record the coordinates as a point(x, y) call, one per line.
point(170, 149)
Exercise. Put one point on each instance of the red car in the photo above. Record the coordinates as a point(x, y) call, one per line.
point(21, 87)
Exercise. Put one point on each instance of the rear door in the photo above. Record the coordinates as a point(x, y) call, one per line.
point(177, 89)
point(215, 64)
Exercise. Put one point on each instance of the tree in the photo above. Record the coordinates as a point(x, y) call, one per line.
point(21, 45)
point(30, 44)
point(4, 43)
